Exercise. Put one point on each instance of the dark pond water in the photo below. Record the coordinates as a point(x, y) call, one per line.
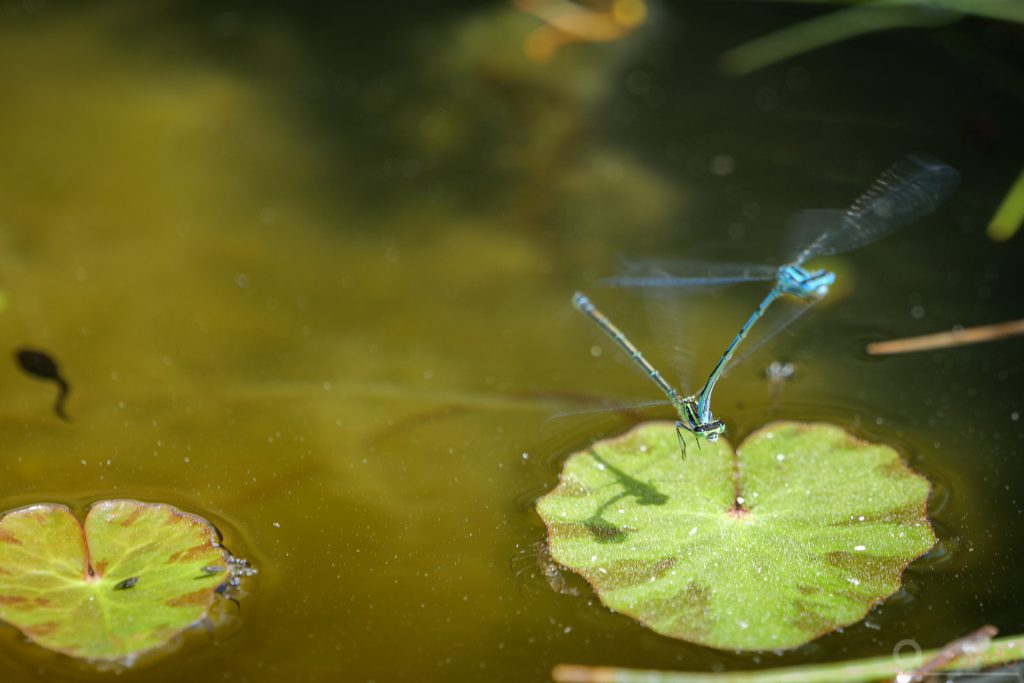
point(308, 273)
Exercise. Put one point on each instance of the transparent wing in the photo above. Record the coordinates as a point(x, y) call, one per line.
point(683, 274)
point(671, 318)
point(627, 409)
point(809, 227)
point(779, 316)
point(911, 188)
point(648, 365)
point(568, 431)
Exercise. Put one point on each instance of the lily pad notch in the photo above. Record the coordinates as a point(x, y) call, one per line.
point(800, 531)
point(127, 580)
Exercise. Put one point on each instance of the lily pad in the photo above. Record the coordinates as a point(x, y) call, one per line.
point(128, 580)
point(800, 532)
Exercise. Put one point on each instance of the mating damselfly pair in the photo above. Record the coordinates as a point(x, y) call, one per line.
point(908, 190)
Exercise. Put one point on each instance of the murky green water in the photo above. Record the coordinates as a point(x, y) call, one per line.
point(308, 272)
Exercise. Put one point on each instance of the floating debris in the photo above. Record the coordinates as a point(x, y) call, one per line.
point(945, 340)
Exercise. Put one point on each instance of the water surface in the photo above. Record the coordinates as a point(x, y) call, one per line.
point(308, 273)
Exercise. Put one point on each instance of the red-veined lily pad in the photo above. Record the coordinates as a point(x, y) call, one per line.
point(128, 580)
point(802, 531)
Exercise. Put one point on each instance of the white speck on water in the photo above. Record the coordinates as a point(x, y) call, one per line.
point(1015, 416)
point(595, 351)
point(780, 457)
point(860, 547)
point(693, 531)
point(228, 25)
point(766, 99)
point(852, 580)
point(722, 165)
point(567, 629)
point(526, 456)
point(277, 525)
point(84, 462)
point(879, 420)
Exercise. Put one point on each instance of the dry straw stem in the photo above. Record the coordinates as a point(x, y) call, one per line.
point(943, 340)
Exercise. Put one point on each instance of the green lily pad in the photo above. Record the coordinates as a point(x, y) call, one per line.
point(803, 531)
point(129, 580)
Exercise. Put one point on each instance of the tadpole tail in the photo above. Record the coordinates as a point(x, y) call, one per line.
point(62, 397)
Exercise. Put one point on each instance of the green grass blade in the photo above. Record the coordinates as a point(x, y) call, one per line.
point(1010, 214)
point(999, 651)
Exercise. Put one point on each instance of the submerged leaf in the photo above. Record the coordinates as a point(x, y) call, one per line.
point(129, 580)
point(801, 532)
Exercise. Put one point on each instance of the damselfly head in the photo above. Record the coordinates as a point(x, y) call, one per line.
point(710, 430)
point(820, 281)
point(804, 284)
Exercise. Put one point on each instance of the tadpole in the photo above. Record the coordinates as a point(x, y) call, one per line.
point(40, 364)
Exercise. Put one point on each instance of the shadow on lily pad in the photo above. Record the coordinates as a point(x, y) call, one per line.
point(800, 531)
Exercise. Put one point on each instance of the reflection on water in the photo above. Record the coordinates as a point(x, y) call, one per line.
point(309, 274)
